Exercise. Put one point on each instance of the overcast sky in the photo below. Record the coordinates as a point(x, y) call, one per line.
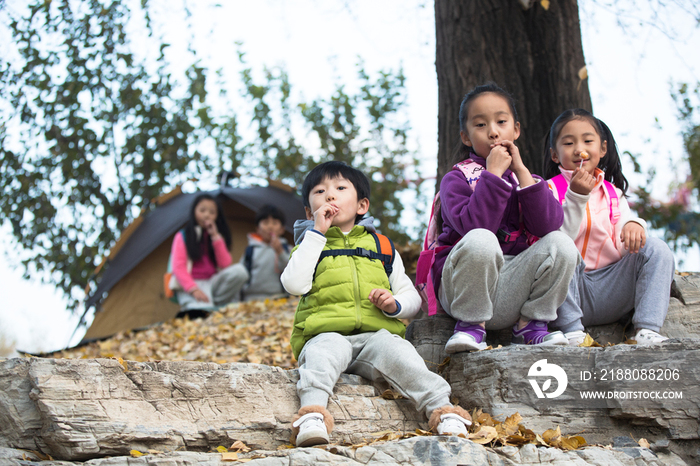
point(318, 43)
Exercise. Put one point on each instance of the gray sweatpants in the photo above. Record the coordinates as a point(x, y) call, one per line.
point(222, 288)
point(639, 281)
point(480, 284)
point(374, 356)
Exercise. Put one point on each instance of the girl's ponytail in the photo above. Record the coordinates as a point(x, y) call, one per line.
point(550, 168)
point(611, 163)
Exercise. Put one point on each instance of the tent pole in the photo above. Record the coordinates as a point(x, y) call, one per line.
point(80, 322)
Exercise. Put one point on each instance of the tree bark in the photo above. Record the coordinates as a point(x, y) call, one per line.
point(535, 54)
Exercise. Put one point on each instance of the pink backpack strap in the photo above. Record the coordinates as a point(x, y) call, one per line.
point(426, 259)
point(430, 303)
point(561, 185)
point(427, 255)
point(424, 280)
point(614, 202)
point(431, 236)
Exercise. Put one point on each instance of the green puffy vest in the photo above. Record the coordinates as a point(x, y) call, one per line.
point(338, 299)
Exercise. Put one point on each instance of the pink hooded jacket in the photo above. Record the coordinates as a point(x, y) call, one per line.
point(587, 222)
point(186, 272)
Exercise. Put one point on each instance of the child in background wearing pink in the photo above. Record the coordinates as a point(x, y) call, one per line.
point(201, 261)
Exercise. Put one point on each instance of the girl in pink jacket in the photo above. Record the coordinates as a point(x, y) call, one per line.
point(201, 262)
point(622, 270)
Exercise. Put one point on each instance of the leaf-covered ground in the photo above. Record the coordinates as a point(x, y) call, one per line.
point(257, 332)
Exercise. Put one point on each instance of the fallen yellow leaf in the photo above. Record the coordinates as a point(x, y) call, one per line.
point(39, 455)
point(389, 436)
point(485, 419)
point(443, 365)
point(484, 435)
point(512, 424)
point(517, 440)
point(540, 441)
point(355, 446)
point(239, 447)
point(390, 394)
point(545, 4)
point(221, 449)
point(136, 453)
point(124, 365)
point(572, 443)
point(530, 435)
point(551, 435)
point(588, 341)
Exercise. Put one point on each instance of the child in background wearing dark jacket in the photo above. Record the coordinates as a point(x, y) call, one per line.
point(347, 318)
point(266, 256)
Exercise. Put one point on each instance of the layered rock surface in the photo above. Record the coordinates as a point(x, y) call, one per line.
point(655, 390)
point(94, 412)
point(82, 409)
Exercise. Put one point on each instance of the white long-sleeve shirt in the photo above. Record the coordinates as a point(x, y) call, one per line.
point(298, 276)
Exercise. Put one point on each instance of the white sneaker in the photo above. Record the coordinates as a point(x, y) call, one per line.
point(462, 341)
point(576, 337)
point(312, 430)
point(453, 424)
point(645, 337)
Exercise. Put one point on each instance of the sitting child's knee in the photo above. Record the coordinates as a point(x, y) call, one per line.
point(564, 246)
point(659, 248)
point(478, 245)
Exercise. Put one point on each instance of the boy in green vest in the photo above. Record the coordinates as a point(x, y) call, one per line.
point(347, 318)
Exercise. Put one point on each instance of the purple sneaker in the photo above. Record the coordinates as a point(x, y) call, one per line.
point(536, 333)
point(467, 337)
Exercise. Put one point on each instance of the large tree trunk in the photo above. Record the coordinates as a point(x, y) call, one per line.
point(533, 53)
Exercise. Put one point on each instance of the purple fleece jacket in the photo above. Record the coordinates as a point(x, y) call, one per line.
point(493, 205)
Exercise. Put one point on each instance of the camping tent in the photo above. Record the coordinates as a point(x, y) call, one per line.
point(129, 291)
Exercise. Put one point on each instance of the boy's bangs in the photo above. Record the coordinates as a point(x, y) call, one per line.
point(333, 170)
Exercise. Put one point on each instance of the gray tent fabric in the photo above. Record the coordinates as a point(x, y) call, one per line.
point(171, 216)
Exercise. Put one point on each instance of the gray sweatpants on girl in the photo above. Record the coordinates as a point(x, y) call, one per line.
point(374, 356)
point(222, 288)
point(639, 281)
point(480, 284)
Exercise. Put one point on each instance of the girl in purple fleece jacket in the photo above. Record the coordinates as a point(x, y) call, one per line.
point(500, 260)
